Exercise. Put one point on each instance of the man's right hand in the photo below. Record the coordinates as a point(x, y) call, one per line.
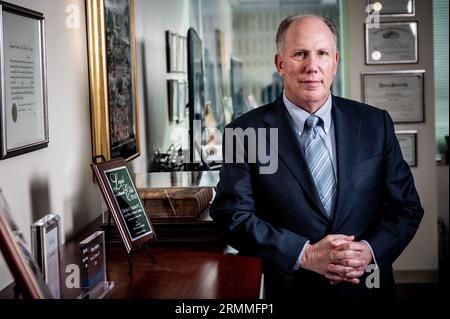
point(318, 256)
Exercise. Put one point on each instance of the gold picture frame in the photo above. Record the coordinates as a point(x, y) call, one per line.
point(113, 79)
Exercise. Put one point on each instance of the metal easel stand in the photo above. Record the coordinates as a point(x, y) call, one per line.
point(147, 251)
point(146, 247)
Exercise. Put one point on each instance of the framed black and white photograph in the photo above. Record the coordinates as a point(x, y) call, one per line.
point(401, 93)
point(23, 81)
point(176, 52)
point(172, 98)
point(171, 51)
point(392, 43)
point(393, 8)
point(182, 101)
point(181, 54)
point(408, 145)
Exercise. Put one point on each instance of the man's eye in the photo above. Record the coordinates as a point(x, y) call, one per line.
point(323, 53)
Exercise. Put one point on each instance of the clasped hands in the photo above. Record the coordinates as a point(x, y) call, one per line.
point(337, 257)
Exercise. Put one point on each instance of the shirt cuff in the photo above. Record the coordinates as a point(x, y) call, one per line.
point(299, 259)
point(371, 251)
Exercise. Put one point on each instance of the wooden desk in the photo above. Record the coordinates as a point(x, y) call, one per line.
point(180, 272)
point(196, 271)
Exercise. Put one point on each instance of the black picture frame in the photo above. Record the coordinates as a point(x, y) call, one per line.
point(24, 110)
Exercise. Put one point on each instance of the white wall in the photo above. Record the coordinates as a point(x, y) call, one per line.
point(58, 178)
point(422, 253)
point(153, 18)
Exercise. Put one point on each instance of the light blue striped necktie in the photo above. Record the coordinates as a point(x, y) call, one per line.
point(319, 162)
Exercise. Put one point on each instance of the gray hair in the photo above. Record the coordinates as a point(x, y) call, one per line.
point(284, 25)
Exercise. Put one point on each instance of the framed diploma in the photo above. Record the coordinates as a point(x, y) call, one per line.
point(124, 204)
point(393, 8)
point(23, 84)
point(392, 42)
point(401, 93)
point(408, 145)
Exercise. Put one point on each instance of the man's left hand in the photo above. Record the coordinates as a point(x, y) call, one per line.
point(350, 260)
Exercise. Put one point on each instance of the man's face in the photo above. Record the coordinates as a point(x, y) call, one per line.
point(308, 62)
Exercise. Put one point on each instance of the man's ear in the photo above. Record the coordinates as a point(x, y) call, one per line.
point(336, 62)
point(279, 64)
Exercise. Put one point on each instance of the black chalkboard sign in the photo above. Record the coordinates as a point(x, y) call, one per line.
point(123, 201)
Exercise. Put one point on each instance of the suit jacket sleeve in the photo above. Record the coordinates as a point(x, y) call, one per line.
point(234, 211)
point(401, 212)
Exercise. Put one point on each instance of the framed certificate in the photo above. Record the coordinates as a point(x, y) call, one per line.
point(393, 8)
point(401, 93)
point(23, 83)
point(408, 145)
point(392, 42)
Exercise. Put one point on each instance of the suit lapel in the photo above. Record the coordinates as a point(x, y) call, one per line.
point(347, 134)
point(290, 152)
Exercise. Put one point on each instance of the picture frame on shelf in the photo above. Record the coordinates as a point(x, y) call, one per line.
point(122, 199)
point(45, 242)
point(113, 79)
point(401, 93)
point(28, 278)
point(24, 110)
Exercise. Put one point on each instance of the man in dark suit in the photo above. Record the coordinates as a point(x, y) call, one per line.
point(341, 197)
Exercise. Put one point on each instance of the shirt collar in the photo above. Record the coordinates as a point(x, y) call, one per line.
point(299, 115)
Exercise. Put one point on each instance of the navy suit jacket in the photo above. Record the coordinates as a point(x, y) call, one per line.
point(273, 215)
